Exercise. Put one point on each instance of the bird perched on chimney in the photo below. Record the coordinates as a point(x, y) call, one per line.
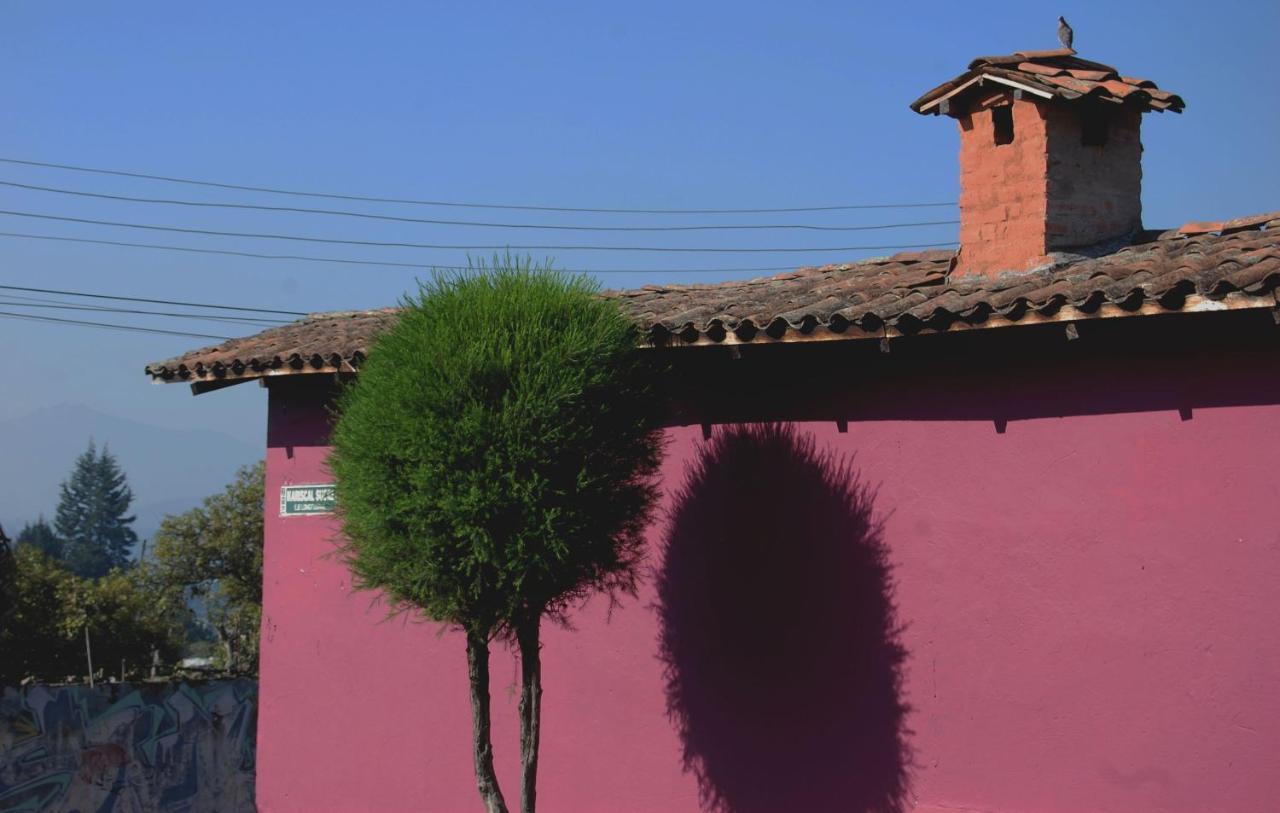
point(1065, 35)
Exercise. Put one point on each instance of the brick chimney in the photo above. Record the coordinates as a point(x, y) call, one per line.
point(1050, 156)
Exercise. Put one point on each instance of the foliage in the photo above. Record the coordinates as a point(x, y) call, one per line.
point(92, 519)
point(32, 643)
point(41, 536)
point(79, 578)
point(494, 463)
point(127, 614)
point(215, 552)
point(493, 459)
point(8, 582)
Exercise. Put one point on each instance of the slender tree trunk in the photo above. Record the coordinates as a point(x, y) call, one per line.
point(88, 654)
point(530, 712)
point(482, 740)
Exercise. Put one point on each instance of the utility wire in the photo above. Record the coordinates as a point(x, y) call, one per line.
point(482, 224)
point(456, 204)
point(240, 320)
point(147, 301)
point(391, 244)
point(390, 264)
point(110, 325)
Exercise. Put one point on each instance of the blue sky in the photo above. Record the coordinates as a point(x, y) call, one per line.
point(665, 105)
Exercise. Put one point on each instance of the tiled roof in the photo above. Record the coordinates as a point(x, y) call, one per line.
point(1201, 266)
point(320, 341)
point(1058, 74)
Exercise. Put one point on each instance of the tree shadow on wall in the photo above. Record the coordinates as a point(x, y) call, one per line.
point(778, 631)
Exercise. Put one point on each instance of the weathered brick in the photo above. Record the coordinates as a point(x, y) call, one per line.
point(1046, 190)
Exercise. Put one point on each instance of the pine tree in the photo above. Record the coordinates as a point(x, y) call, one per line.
point(92, 518)
point(41, 536)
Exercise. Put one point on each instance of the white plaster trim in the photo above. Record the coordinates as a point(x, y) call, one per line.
point(977, 80)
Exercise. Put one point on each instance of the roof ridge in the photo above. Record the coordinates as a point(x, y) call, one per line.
point(360, 312)
point(1259, 221)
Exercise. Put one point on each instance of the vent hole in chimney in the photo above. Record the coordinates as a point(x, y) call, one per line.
point(1093, 128)
point(1002, 124)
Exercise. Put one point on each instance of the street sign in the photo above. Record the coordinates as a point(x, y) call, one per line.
point(301, 500)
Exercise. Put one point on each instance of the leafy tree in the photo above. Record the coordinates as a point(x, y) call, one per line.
point(8, 579)
point(41, 536)
point(127, 615)
point(215, 552)
point(92, 518)
point(494, 464)
point(33, 643)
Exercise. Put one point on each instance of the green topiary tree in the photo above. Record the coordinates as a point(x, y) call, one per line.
point(494, 464)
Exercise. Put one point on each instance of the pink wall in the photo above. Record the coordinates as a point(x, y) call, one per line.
point(1071, 614)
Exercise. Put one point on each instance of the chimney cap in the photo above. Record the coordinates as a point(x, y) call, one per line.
point(1050, 75)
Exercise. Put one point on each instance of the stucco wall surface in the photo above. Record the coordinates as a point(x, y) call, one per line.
point(1051, 615)
point(126, 748)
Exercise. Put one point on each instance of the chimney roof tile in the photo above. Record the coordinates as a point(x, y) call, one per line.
point(1062, 74)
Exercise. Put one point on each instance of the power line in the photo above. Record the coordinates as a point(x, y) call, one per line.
point(482, 224)
point(391, 264)
point(413, 202)
point(392, 244)
point(132, 328)
point(239, 320)
point(147, 301)
point(62, 304)
point(222, 251)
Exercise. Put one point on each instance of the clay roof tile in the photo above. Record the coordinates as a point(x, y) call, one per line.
point(905, 293)
point(1062, 73)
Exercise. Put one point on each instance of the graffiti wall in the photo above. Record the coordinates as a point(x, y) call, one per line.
point(128, 748)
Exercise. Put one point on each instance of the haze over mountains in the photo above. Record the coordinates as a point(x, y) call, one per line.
point(170, 470)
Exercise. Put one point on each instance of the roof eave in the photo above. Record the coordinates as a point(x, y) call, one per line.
point(208, 379)
point(669, 340)
point(931, 102)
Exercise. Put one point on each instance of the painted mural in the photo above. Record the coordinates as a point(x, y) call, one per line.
point(129, 748)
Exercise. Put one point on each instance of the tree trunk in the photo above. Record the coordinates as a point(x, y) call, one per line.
point(88, 654)
point(482, 741)
point(530, 712)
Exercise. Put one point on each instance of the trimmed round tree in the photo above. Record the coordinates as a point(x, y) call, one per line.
point(494, 463)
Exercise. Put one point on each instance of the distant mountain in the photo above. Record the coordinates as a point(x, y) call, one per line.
point(169, 470)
